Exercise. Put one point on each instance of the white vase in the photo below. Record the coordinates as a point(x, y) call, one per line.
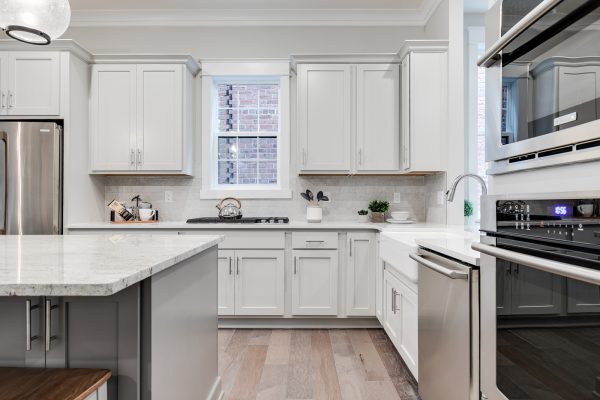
point(314, 214)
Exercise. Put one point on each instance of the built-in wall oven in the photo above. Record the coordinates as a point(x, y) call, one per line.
point(540, 297)
point(542, 83)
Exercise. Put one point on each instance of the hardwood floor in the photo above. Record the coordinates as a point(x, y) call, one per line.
point(333, 364)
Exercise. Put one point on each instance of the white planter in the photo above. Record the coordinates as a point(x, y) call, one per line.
point(314, 214)
point(363, 218)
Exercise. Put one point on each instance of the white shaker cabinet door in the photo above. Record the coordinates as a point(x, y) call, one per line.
point(160, 117)
point(33, 83)
point(259, 282)
point(315, 282)
point(405, 114)
point(226, 285)
point(360, 275)
point(3, 83)
point(400, 316)
point(324, 117)
point(377, 117)
point(113, 118)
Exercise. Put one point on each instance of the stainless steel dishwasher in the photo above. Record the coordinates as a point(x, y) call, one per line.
point(448, 328)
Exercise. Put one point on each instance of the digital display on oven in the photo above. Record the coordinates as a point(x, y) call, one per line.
point(561, 210)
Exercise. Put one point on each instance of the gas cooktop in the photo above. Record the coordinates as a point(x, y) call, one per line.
point(245, 220)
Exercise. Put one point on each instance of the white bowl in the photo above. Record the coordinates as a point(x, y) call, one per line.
point(400, 215)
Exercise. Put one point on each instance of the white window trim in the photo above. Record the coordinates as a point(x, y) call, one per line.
point(219, 70)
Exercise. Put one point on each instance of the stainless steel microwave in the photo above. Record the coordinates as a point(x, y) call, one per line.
point(542, 83)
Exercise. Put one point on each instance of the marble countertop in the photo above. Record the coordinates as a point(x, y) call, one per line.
point(292, 225)
point(91, 265)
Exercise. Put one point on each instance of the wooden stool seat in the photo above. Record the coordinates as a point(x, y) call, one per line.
point(51, 383)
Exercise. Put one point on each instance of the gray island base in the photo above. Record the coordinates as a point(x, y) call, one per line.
point(143, 306)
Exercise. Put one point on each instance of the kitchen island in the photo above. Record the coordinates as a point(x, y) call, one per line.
point(143, 306)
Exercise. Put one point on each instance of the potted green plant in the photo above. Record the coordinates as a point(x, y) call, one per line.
point(378, 209)
point(468, 212)
point(363, 216)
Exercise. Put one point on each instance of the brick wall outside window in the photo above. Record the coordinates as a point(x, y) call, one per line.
point(247, 133)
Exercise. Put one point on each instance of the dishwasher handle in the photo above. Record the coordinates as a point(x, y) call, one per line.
point(450, 273)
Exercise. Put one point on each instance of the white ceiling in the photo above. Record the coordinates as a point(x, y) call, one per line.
point(246, 4)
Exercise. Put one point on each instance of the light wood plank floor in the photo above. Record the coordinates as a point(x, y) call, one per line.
point(353, 364)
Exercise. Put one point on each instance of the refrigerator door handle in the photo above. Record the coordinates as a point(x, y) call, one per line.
point(4, 193)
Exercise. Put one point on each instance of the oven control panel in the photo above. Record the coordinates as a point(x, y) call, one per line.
point(570, 219)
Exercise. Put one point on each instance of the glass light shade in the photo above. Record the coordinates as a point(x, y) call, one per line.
point(35, 21)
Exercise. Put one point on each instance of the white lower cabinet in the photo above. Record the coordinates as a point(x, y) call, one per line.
point(315, 282)
point(400, 319)
point(251, 282)
point(226, 277)
point(360, 275)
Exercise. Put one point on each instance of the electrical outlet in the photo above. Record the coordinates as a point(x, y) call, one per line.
point(397, 197)
point(440, 197)
point(168, 196)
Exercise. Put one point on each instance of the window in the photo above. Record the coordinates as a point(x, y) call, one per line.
point(246, 131)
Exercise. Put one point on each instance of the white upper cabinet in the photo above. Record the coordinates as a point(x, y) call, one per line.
point(424, 106)
point(160, 117)
point(30, 83)
point(141, 117)
point(113, 118)
point(3, 83)
point(324, 101)
point(377, 117)
point(348, 116)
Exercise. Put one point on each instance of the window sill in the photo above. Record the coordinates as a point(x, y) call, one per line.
point(246, 194)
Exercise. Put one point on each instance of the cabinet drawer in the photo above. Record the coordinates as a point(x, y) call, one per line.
point(244, 239)
point(314, 240)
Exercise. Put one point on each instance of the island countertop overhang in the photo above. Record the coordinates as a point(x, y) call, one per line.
point(90, 265)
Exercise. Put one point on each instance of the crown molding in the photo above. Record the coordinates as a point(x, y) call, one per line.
point(254, 17)
point(68, 45)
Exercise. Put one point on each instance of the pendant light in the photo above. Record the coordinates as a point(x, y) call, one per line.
point(35, 21)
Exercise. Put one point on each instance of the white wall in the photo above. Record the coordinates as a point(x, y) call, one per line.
point(438, 25)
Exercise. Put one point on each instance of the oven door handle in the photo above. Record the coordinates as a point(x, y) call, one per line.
point(554, 267)
point(491, 55)
point(450, 273)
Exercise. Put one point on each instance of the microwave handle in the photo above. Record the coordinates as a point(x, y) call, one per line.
point(554, 267)
point(491, 55)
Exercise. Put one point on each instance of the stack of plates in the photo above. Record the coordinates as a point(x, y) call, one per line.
point(400, 221)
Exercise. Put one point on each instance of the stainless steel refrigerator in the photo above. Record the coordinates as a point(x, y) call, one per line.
point(30, 178)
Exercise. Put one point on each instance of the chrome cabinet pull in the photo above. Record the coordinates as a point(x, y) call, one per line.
point(230, 269)
point(237, 266)
point(132, 158)
point(350, 247)
point(139, 158)
point(360, 160)
point(394, 300)
point(3, 100)
point(10, 99)
point(48, 337)
point(28, 338)
point(491, 55)
point(295, 265)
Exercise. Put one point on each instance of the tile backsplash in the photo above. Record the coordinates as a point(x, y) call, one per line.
point(418, 195)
